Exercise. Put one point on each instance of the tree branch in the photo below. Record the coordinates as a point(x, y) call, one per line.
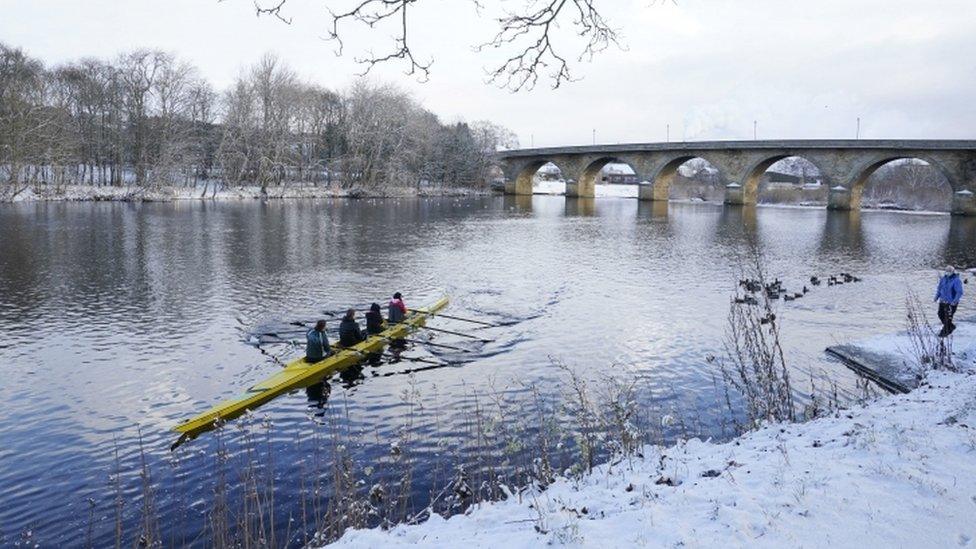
point(528, 33)
point(531, 33)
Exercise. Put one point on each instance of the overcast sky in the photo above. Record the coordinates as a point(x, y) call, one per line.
point(709, 68)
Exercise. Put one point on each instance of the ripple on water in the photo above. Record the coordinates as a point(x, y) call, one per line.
point(117, 321)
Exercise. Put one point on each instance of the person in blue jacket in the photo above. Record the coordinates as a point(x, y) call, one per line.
point(948, 294)
point(317, 343)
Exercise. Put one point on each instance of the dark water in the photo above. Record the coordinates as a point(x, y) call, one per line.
point(121, 318)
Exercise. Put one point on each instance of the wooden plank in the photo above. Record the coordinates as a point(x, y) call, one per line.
point(869, 365)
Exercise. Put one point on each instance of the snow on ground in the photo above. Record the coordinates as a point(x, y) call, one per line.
point(899, 346)
point(893, 356)
point(559, 187)
point(132, 193)
point(900, 472)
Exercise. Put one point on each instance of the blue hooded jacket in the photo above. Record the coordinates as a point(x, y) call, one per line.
point(317, 345)
point(950, 289)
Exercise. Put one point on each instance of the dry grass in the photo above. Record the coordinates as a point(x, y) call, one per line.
point(929, 350)
point(755, 366)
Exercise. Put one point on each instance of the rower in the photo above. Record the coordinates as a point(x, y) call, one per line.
point(317, 343)
point(374, 319)
point(349, 331)
point(396, 310)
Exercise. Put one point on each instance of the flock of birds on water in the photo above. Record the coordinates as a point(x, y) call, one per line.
point(774, 290)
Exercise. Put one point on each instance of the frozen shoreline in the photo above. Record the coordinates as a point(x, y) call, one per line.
point(90, 193)
point(869, 476)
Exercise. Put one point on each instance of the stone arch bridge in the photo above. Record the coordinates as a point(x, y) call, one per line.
point(844, 164)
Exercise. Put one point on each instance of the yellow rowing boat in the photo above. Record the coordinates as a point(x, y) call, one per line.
point(298, 374)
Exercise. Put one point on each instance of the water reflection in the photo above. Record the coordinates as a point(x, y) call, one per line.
point(960, 243)
point(652, 209)
point(842, 235)
point(582, 207)
point(352, 376)
point(318, 394)
point(737, 225)
point(520, 202)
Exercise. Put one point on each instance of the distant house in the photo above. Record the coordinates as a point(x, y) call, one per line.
point(778, 180)
point(549, 172)
point(620, 178)
point(619, 174)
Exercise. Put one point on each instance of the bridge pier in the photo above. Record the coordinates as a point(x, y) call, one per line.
point(645, 191)
point(735, 195)
point(521, 185)
point(839, 198)
point(964, 203)
point(580, 189)
point(653, 192)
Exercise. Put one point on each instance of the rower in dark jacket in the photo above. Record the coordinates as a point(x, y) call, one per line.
point(349, 330)
point(317, 343)
point(374, 319)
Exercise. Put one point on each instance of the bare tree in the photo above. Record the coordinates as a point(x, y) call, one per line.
point(21, 90)
point(908, 183)
point(137, 73)
point(148, 120)
point(528, 33)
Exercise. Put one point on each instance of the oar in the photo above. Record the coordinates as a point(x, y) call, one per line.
point(307, 324)
point(400, 357)
point(418, 359)
point(409, 371)
point(489, 324)
point(459, 334)
point(432, 344)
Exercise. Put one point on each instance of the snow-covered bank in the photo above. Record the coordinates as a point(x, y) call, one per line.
point(894, 356)
point(899, 472)
point(164, 194)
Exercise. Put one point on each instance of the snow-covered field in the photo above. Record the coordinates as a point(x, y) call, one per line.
point(899, 346)
point(132, 193)
point(559, 187)
point(898, 472)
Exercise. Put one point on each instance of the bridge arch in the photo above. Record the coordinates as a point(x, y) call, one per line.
point(756, 170)
point(526, 173)
point(862, 174)
point(585, 186)
point(666, 173)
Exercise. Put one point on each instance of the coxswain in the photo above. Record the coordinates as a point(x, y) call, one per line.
point(396, 310)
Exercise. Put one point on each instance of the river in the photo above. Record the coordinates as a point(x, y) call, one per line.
point(120, 318)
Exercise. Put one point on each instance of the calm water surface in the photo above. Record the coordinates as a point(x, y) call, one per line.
point(121, 318)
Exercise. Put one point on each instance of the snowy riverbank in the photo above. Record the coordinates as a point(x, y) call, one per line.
point(82, 193)
point(898, 472)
